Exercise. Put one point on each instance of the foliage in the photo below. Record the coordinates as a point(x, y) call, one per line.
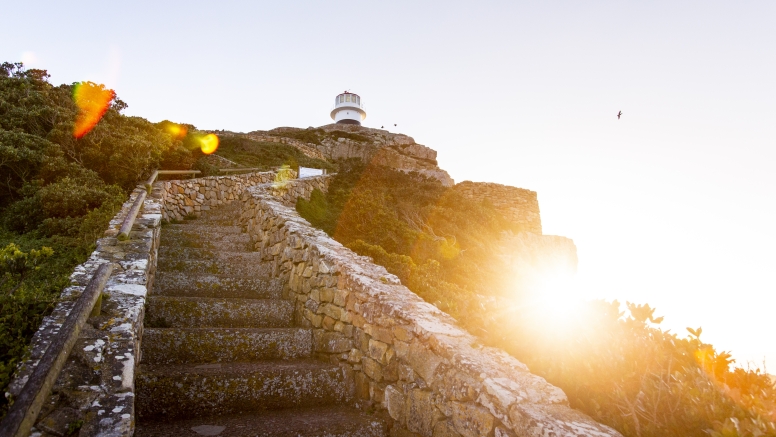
point(623, 370)
point(317, 135)
point(337, 134)
point(435, 240)
point(58, 192)
point(310, 135)
point(29, 290)
point(15, 264)
point(264, 155)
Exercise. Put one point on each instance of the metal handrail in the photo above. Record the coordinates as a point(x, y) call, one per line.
point(26, 407)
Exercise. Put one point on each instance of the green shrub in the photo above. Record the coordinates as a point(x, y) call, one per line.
point(265, 155)
point(58, 194)
point(622, 370)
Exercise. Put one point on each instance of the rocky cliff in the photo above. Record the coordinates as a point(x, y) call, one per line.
point(340, 141)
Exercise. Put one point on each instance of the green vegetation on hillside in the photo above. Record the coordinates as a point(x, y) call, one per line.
point(317, 135)
point(58, 193)
point(620, 368)
point(434, 239)
point(264, 156)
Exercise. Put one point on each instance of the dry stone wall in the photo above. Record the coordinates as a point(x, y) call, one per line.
point(410, 361)
point(190, 197)
point(517, 204)
point(96, 386)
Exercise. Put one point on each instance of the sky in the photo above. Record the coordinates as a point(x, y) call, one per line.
point(672, 205)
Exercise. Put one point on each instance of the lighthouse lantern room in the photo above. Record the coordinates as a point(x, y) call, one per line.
point(348, 109)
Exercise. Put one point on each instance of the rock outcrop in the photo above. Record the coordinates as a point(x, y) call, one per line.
point(341, 141)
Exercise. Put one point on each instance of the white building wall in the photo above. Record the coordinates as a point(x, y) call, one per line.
point(347, 114)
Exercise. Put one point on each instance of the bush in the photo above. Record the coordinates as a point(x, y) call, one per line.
point(58, 193)
point(264, 155)
point(622, 370)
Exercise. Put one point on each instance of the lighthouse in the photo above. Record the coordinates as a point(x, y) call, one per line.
point(348, 109)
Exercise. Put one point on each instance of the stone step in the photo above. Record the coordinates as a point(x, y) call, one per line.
point(202, 312)
point(186, 391)
point(221, 345)
point(226, 221)
point(219, 214)
point(186, 284)
point(196, 253)
point(329, 421)
point(198, 227)
point(225, 263)
point(205, 240)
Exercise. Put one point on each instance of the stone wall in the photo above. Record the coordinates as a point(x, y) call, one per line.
point(96, 385)
point(517, 204)
point(190, 197)
point(410, 361)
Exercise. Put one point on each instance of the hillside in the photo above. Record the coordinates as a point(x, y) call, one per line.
point(335, 142)
point(58, 192)
point(475, 250)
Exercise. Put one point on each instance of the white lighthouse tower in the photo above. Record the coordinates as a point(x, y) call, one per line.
point(348, 109)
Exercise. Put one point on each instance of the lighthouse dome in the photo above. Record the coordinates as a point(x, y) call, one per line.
point(348, 109)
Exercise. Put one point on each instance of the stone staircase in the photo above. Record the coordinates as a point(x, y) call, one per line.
point(220, 352)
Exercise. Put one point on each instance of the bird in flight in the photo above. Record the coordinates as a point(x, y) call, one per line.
point(619, 114)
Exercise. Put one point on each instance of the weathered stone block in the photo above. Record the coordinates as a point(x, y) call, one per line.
point(331, 342)
point(362, 386)
point(340, 297)
point(445, 429)
point(382, 334)
point(423, 361)
point(391, 371)
point(402, 334)
point(406, 373)
point(402, 349)
point(472, 420)
point(362, 340)
point(372, 368)
point(419, 412)
point(327, 295)
point(377, 350)
point(394, 402)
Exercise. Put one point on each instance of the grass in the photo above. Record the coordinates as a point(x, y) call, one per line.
point(265, 155)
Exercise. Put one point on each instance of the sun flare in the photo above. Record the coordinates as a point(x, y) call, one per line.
point(209, 144)
point(93, 102)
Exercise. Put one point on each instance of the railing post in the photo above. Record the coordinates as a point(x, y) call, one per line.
point(26, 407)
point(129, 220)
point(150, 182)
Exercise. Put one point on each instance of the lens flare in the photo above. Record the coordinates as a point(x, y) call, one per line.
point(177, 131)
point(209, 143)
point(93, 101)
